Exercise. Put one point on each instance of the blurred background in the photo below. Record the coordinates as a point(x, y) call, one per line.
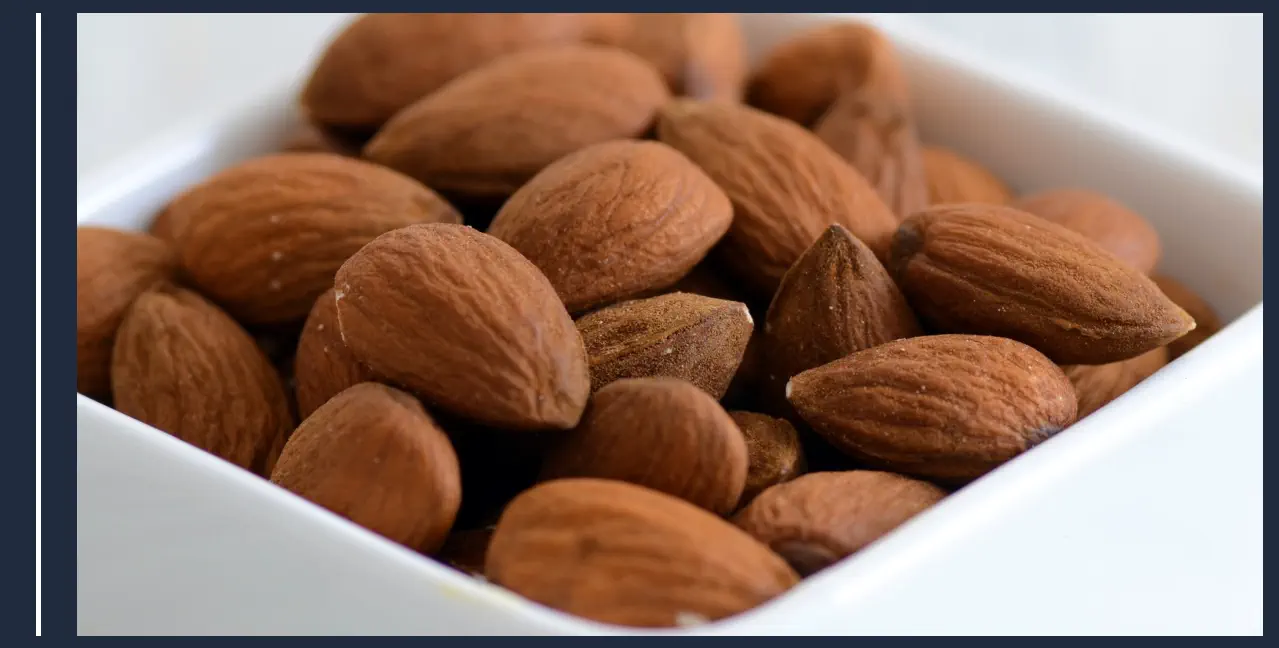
point(1198, 76)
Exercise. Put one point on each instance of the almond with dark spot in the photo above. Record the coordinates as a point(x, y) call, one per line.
point(1097, 385)
point(1207, 322)
point(1117, 229)
point(953, 178)
point(773, 452)
point(323, 366)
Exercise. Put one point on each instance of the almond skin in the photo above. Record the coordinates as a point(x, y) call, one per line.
point(374, 456)
point(615, 220)
point(692, 450)
point(488, 132)
point(323, 366)
point(1097, 385)
point(618, 553)
point(461, 319)
point(953, 178)
point(1207, 322)
point(1121, 231)
point(994, 270)
point(822, 518)
point(265, 237)
point(773, 452)
point(949, 408)
point(700, 55)
point(113, 267)
point(786, 186)
point(678, 335)
point(182, 365)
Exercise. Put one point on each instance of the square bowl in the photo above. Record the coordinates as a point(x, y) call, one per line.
point(1144, 517)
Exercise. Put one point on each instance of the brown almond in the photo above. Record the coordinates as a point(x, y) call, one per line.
point(822, 518)
point(1097, 385)
point(182, 365)
point(994, 270)
point(464, 321)
point(615, 220)
point(488, 132)
point(773, 452)
point(701, 55)
point(372, 455)
point(323, 367)
point(1207, 322)
point(944, 407)
point(1117, 229)
point(786, 186)
point(264, 238)
point(113, 267)
point(677, 335)
point(619, 553)
point(953, 178)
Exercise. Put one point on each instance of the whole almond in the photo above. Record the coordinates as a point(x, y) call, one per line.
point(615, 220)
point(944, 407)
point(619, 553)
point(953, 178)
point(677, 335)
point(994, 270)
point(786, 186)
point(264, 238)
point(662, 433)
point(1117, 229)
point(1207, 322)
point(822, 518)
point(182, 365)
point(113, 267)
point(701, 55)
point(463, 320)
point(773, 452)
point(323, 367)
point(1097, 385)
point(489, 131)
point(372, 455)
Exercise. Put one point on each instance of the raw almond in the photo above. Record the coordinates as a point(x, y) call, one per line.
point(678, 335)
point(323, 366)
point(995, 270)
point(619, 553)
point(264, 238)
point(822, 518)
point(182, 365)
point(372, 455)
point(1207, 322)
point(662, 433)
point(773, 452)
point(463, 320)
point(953, 178)
point(701, 55)
point(945, 407)
point(1097, 385)
point(488, 132)
point(1117, 229)
point(786, 186)
point(615, 220)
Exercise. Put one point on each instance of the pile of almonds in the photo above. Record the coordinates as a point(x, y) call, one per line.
point(583, 305)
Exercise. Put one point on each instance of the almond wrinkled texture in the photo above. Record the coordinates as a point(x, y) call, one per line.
point(113, 267)
point(623, 554)
point(323, 366)
point(773, 452)
point(1207, 322)
point(786, 186)
point(182, 365)
point(661, 433)
point(821, 518)
point(488, 132)
point(1097, 385)
point(461, 319)
point(264, 238)
point(994, 270)
point(677, 335)
point(700, 55)
point(381, 63)
point(374, 456)
point(945, 407)
point(1121, 231)
point(953, 178)
point(615, 220)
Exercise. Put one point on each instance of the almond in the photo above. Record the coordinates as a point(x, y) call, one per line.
point(265, 237)
point(678, 335)
point(822, 518)
point(1117, 229)
point(615, 220)
point(786, 186)
point(953, 178)
point(998, 271)
point(113, 267)
point(323, 366)
point(945, 407)
point(491, 130)
point(182, 365)
point(773, 452)
point(619, 553)
point(463, 320)
point(691, 448)
point(700, 55)
point(372, 455)
point(1097, 385)
point(1207, 322)
point(161, 225)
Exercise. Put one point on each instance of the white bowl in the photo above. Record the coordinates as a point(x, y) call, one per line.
point(1143, 518)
